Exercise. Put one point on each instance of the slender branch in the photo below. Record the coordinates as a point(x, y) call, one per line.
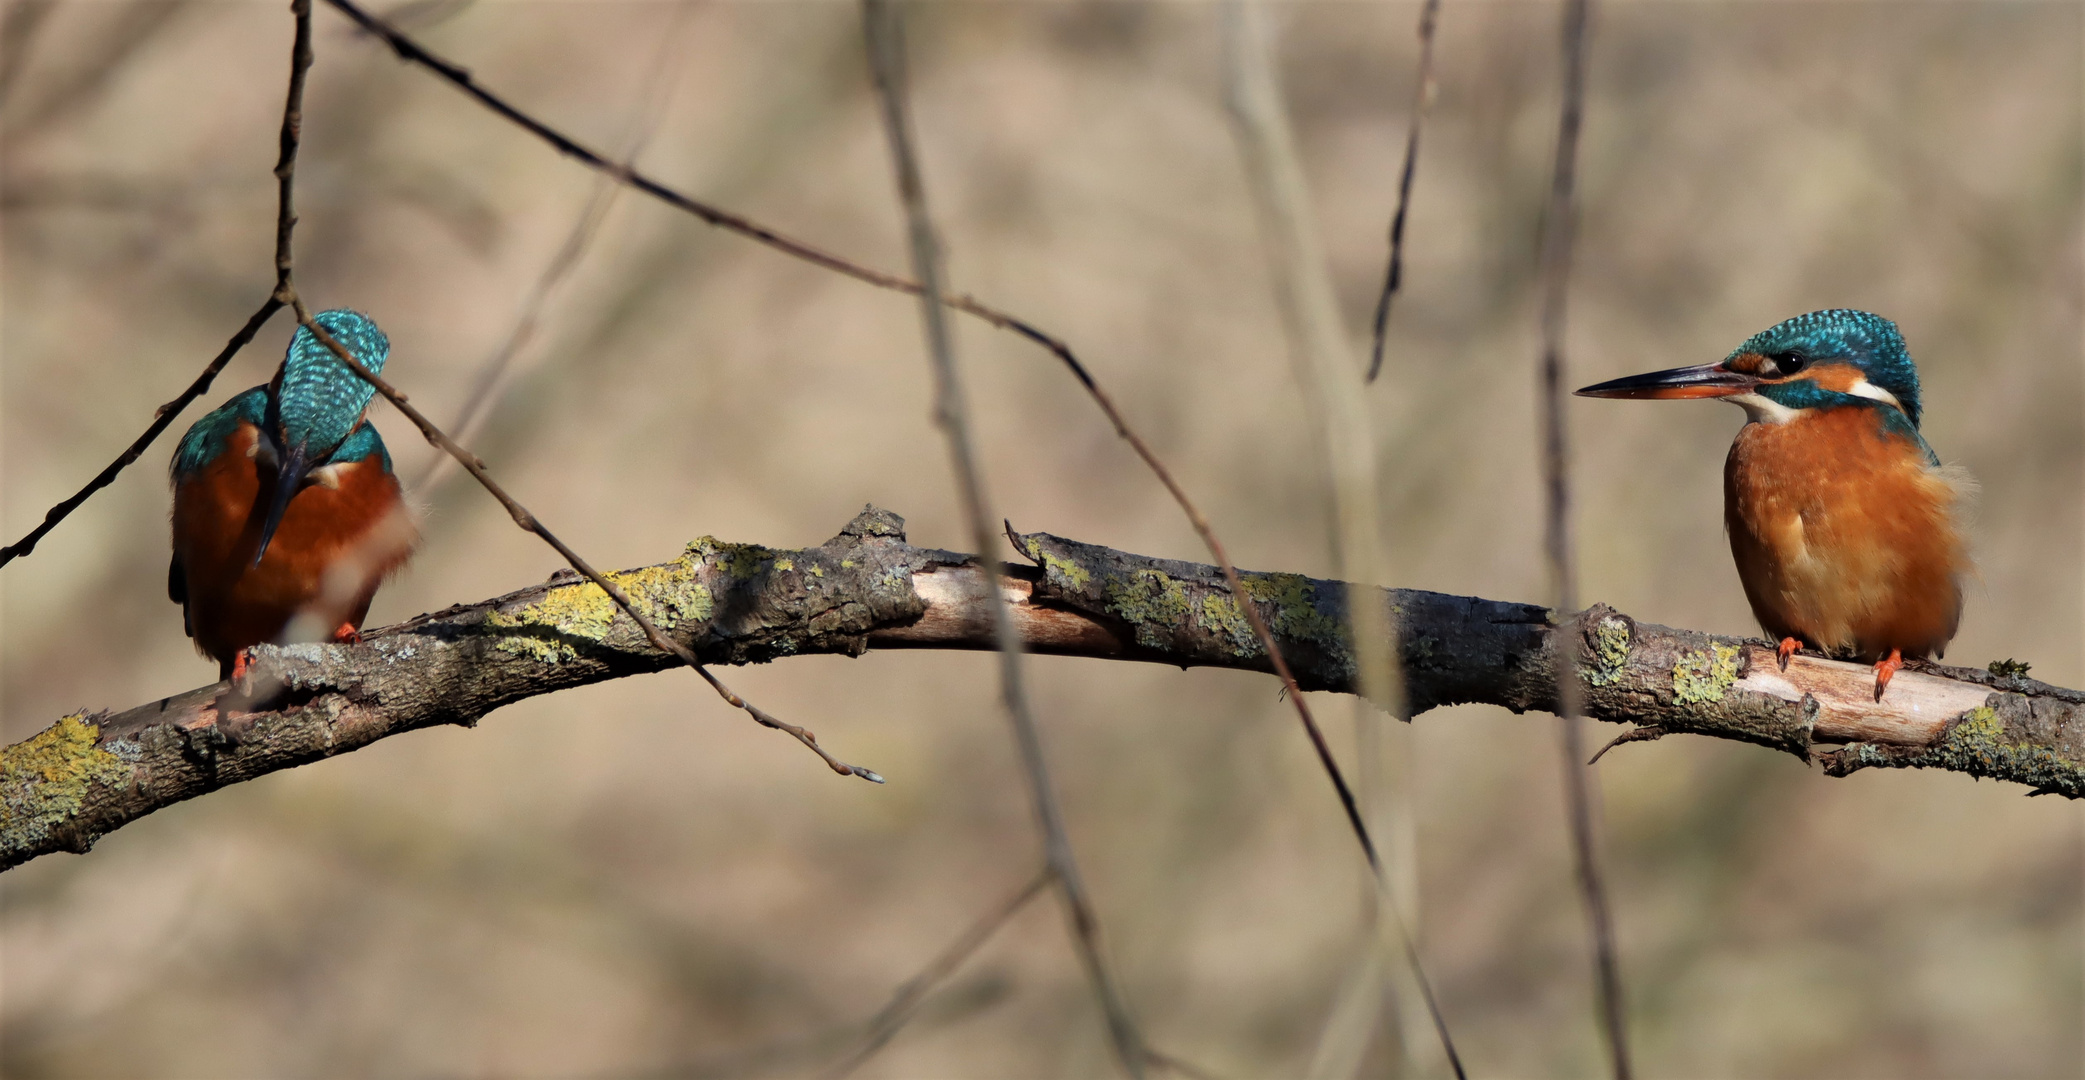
point(486, 381)
point(883, 28)
point(292, 137)
point(90, 774)
point(1557, 235)
point(1325, 367)
point(905, 1001)
point(1310, 320)
point(411, 51)
point(1422, 101)
point(161, 420)
point(529, 523)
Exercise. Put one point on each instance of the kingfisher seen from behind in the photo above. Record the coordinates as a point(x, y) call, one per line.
point(1846, 528)
point(287, 516)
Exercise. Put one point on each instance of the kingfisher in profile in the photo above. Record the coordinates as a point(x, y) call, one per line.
point(287, 516)
point(1846, 528)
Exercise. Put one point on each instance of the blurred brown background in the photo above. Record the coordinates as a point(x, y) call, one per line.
point(632, 880)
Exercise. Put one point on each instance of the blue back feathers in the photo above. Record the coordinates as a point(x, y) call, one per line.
point(318, 401)
point(1838, 336)
point(212, 435)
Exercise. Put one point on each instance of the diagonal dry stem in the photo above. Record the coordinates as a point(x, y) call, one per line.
point(884, 30)
point(528, 521)
point(1324, 366)
point(905, 1001)
point(1557, 234)
point(1422, 100)
point(486, 382)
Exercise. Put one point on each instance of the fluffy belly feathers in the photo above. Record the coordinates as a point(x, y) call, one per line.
point(1844, 536)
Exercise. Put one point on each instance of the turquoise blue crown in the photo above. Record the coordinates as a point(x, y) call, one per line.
point(318, 400)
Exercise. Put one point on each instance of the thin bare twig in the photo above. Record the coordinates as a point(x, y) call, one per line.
point(1324, 361)
point(1556, 269)
point(292, 137)
point(883, 28)
point(1310, 319)
point(652, 96)
point(1649, 733)
point(19, 25)
point(161, 420)
point(528, 521)
point(1422, 100)
point(907, 998)
point(411, 51)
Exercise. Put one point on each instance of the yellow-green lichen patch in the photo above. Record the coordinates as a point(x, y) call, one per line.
point(785, 564)
point(1150, 601)
point(1610, 652)
point(1978, 745)
point(1296, 613)
point(552, 628)
point(1221, 616)
point(44, 780)
point(743, 560)
point(739, 561)
point(1071, 575)
point(1703, 676)
point(1978, 726)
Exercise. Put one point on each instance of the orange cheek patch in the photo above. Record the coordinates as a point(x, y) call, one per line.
point(1750, 363)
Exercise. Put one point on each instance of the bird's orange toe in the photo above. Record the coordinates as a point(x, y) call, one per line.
point(1885, 668)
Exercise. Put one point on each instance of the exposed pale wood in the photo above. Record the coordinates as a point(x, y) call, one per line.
point(1914, 712)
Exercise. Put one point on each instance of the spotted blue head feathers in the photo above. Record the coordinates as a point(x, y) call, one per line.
point(317, 400)
point(1867, 342)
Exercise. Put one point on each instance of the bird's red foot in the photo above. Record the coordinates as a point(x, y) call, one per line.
point(1786, 649)
point(347, 634)
point(242, 662)
point(1885, 668)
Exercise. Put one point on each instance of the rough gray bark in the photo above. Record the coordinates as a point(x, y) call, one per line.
point(89, 774)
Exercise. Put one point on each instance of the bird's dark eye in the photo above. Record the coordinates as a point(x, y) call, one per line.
point(1789, 363)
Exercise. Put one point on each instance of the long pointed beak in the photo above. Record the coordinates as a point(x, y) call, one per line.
point(290, 466)
point(1702, 381)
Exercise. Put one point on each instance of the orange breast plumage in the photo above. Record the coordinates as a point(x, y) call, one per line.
point(1845, 535)
point(341, 535)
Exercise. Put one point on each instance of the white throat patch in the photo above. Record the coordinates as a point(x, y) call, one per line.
point(1763, 410)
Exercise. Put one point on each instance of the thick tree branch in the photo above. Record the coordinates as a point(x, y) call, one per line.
point(866, 588)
